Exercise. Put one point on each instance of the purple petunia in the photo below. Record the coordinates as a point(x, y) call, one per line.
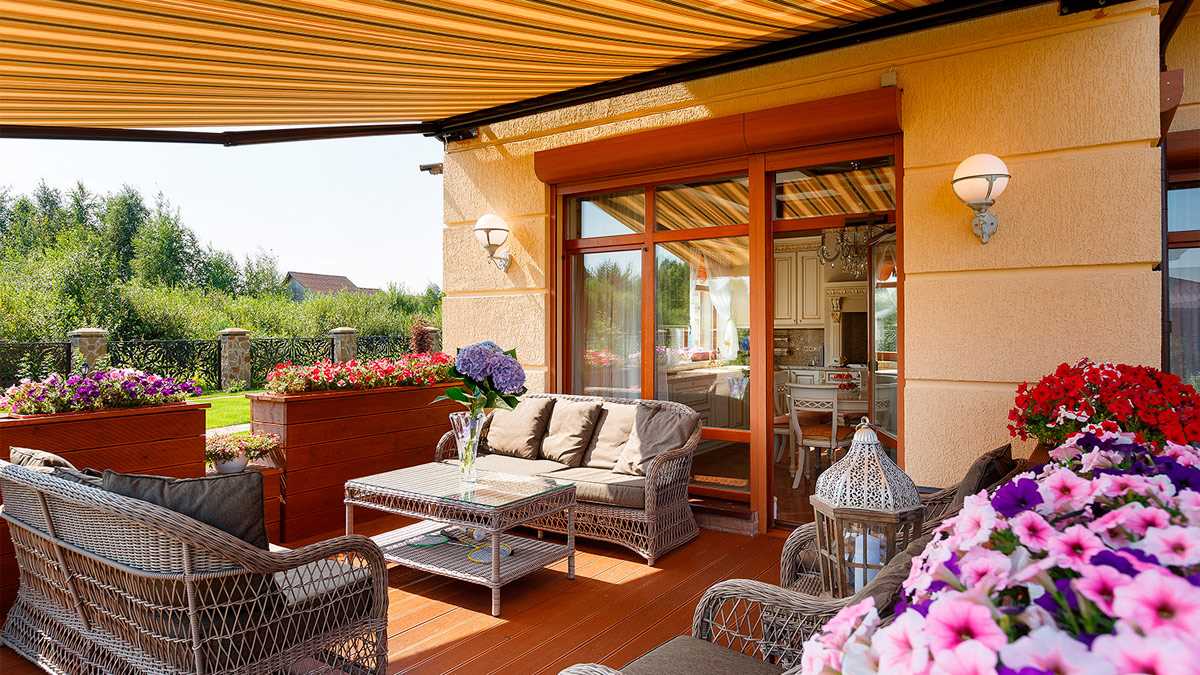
point(1015, 497)
point(98, 389)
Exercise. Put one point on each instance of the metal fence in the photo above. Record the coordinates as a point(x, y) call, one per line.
point(265, 353)
point(381, 346)
point(34, 360)
point(198, 360)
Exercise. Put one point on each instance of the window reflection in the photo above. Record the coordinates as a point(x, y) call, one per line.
point(1184, 288)
point(703, 204)
point(606, 313)
point(866, 186)
point(606, 215)
point(702, 336)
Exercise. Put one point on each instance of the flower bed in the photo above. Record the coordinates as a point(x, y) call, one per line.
point(1154, 405)
point(405, 371)
point(338, 421)
point(97, 390)
point(1090, 564)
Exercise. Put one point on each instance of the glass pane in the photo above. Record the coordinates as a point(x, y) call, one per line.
point(866, 186)
point(607, 215)
point(606, 313)
point(702, 336)
point(722, 465)
point(705, 204)
point(885, 357)
point(1183, 209)
point(1184, 287)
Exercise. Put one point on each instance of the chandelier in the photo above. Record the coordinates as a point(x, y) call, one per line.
point(848, 248)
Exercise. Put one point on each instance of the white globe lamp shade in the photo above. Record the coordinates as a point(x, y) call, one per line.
point(491, 231)
point(980, 179)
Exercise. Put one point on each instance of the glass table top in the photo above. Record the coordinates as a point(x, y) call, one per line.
point(441, 481)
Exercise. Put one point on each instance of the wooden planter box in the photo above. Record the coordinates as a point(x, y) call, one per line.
point(164, 440)
point(329, 437)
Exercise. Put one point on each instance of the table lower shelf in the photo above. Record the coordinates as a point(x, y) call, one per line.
point(528, 555)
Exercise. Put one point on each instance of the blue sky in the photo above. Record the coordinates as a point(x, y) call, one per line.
point(357, 207)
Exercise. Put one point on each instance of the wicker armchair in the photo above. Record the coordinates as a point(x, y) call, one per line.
point(110, 584)
point(664, 524)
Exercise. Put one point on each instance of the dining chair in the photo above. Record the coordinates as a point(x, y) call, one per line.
point(816, 438)
point(784, 440)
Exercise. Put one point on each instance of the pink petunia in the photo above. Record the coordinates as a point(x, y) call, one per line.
point(968, 658)
point(1064, 491)
point(1075, 547)
point(839, 628)
point(974, 524)
point(1129, 652)
point(1049, 648)
point(1099, 459)
point(1160, 601)
point(1032, 530)
point(1188, 502)
point(1143, 519)
point(1172, 545)
point(983, 567)
point(903, 646)
point(953, 621)
point(1099, 583)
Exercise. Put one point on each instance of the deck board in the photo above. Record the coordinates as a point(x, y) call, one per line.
point(616, 609)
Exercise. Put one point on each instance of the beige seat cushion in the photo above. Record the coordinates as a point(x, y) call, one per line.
point(602, 486)
point(686, 654)
point(652, 435)
point(38, 460)
point(513, 465)
point(571, 426)
point(518, 432)
point(612, 433)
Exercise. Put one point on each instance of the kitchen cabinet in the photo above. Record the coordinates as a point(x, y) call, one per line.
point(798, 290)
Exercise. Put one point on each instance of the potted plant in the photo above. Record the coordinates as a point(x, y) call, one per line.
point(491, 378)
point(100, 389)
point(230, 453)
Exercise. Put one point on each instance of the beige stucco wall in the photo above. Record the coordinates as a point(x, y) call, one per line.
point(1069, 102)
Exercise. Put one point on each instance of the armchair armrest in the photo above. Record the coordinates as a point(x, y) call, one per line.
point(793, 564)
point(761, 620)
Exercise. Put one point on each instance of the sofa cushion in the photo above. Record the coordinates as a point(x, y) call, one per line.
point(602, 486)
point(513, 465)
point(38, 460)
point(686, 654)
point(518, 432)
point(653, 434)
point(612, 433)
point(989, 468)
point(232, 503)
point(570, 432)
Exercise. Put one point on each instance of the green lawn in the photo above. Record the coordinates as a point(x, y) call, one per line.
point(227, 409)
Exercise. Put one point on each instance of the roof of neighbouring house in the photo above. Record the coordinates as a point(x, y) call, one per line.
point(323, 283)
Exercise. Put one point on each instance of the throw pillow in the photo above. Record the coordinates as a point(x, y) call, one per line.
point(232, 503)
point(571, 427)
point(38, 460)
point(518, 432)
point(984, 472)
point(652, 435)
point(612, 433)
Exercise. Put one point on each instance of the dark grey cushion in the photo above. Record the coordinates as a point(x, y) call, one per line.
point(686, 654)
point(518, 432)
point(654, 432)
point(232, 503)
point(89, 477)
point(989, 468)
point(38, 460)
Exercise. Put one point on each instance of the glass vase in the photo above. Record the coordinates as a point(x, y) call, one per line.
point(468, 431)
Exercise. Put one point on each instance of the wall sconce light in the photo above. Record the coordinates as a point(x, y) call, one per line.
point(977, 182)
point(492, 232)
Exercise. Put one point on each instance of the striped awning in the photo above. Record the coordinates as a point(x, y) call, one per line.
point(177, 63)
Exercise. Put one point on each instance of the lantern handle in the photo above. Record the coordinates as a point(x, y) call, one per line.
point(865, 423)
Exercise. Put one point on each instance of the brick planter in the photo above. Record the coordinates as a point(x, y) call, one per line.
point(330, 437)
point(166, 440)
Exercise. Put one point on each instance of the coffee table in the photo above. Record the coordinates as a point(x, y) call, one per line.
point(493, 505)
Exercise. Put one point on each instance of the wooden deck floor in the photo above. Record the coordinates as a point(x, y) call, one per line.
point(615, 610)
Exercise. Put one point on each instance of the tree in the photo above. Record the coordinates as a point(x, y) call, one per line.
point(121, 216)
point(260, 275)
point(165, 251)
point(81, 208)
point(217, 270)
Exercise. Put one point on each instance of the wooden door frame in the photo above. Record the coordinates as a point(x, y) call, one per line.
point(759, 168)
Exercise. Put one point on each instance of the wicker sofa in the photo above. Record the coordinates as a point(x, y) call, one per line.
point(647, 513)
point(752, 627)
point(111, 584)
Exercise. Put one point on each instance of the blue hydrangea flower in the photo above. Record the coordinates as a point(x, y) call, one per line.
point(507, 375)
point(474, 360)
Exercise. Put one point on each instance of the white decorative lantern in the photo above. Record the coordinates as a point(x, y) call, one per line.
point(866, 511)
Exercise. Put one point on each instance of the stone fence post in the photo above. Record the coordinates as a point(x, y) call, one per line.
point(345, 343)
point(88, 345)
point(235, 357)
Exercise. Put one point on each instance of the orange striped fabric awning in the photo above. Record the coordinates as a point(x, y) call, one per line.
point(175, 63)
